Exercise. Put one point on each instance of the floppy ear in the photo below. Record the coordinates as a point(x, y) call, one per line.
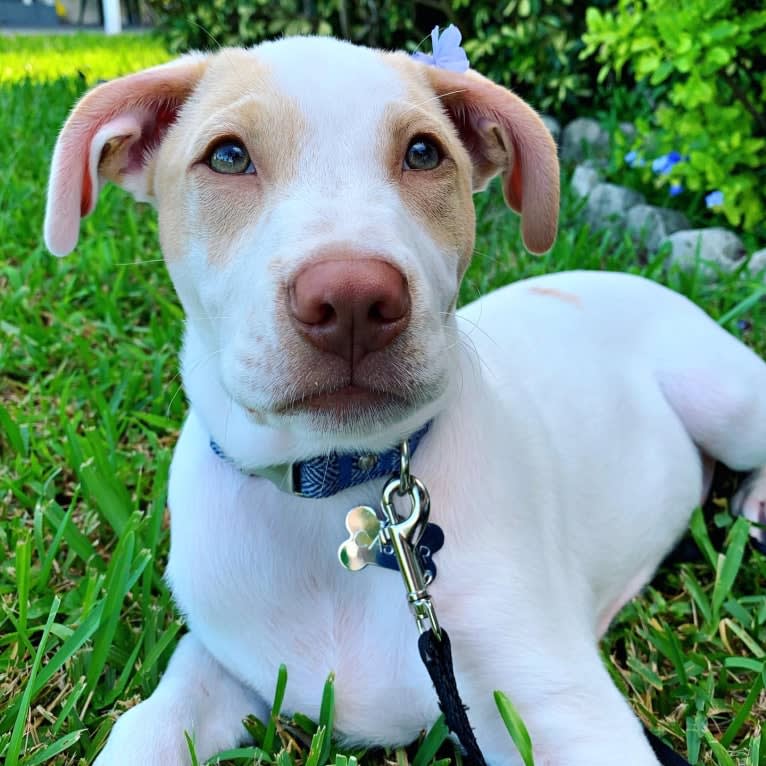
point(504, 135)
point(109, 136)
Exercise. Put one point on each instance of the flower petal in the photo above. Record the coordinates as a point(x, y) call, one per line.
point(447, 53)
point(450, 38)
point(435, 40)
point(714, 199)
point(426, 58)
point(455, 61)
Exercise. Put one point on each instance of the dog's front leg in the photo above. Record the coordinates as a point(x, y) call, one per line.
point(574, 713)
point(195, 696)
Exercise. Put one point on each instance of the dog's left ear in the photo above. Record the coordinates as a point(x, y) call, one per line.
point(505, 135)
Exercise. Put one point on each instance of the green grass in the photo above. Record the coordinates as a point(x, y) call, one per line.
point(89, 410)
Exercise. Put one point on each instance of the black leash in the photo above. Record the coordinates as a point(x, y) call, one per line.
point(665, 755)
point(437, 657)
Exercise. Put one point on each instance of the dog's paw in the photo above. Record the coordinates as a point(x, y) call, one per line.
point(750, 502)
point(146, 736)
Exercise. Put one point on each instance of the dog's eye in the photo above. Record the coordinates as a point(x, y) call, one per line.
point(230, 157)
point(422, 154)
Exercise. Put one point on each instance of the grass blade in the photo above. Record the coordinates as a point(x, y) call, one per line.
point(432, 742)
point(279, 696)
point(327, 717)
point(729, 564)
point(516, 728)
point(59, 746)
point(314, 757)
point(23, 577)
point(14, 746)
point(115, 588)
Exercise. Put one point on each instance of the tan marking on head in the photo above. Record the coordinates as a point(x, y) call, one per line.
point(236, 99)
point(552, 292)
point(442, 198)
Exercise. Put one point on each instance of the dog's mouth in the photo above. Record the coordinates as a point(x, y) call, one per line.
point(350, 407)
point(344, 402)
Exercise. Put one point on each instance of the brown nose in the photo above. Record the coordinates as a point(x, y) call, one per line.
point(350, 307)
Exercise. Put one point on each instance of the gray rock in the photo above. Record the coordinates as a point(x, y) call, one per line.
point(584, 138)
point(609, 204)
point(757, 264)
point(628, 129)
point(649, 225)
point(584, 179)
point(553, 125)
point(717, 249)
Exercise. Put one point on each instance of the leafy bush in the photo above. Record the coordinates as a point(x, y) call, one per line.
point(532, 46)
point(188, 24)
point(705, 61)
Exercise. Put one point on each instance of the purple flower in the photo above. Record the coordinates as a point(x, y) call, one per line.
point(447, 53)
point(714, 199)
point(663, 165)
point(675, 189)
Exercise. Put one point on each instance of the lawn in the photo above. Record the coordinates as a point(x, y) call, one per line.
point(90, 406)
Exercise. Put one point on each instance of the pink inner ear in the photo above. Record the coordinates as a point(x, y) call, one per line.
point(74, 183)
point(132, 114)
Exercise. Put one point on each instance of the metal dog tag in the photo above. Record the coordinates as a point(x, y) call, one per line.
point(363, 545)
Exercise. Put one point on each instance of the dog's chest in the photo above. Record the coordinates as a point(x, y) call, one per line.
point(261, 585)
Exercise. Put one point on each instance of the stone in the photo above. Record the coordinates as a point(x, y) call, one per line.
point(718, 249)
point(609, 204)
point(628, 129)
point(649, 225)
point(584, 138)
point(757, 264)
point(553, 125)
point(584, 179)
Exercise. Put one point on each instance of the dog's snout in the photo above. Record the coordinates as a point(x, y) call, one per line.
point(350, 307)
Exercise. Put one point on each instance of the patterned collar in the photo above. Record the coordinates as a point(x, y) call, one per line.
point(327, 475)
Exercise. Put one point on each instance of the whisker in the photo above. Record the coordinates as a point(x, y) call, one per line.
point(204, 359)
point(438, 96)
point(140, 263)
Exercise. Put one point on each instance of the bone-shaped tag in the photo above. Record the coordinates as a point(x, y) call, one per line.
point(363, 545)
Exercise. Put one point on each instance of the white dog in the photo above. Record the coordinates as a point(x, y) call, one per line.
point(316, 216)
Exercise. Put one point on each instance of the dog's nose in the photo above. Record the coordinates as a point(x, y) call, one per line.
point(350, 307)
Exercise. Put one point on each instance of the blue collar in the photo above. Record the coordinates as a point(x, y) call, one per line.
point(327, 475)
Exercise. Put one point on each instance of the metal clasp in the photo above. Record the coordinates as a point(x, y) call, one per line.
point(404, 534)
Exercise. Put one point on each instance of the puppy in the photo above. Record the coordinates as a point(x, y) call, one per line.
point(315, 212)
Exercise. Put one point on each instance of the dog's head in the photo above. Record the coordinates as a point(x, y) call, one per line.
point(316, 215)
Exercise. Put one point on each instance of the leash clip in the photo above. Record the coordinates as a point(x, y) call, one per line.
point(403, 535)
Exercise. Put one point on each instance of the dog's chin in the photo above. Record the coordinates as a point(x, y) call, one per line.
point(351, 410)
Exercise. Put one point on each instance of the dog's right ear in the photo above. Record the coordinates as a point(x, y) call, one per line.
point(109, 136)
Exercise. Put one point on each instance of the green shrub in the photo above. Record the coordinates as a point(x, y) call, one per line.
point(532, 46)
point(188, 25)
point(706, 61)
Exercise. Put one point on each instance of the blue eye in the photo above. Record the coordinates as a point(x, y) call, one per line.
point(422, 154)
point(230, 157)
